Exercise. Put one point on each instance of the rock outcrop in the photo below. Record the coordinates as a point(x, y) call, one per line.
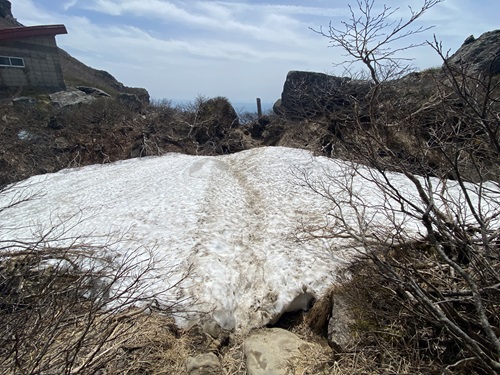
point(6, 17)
point(80, 95)
point(308, 94)
point(77, 73)
point(481, 55)
point(132, 101)
point(5, 9)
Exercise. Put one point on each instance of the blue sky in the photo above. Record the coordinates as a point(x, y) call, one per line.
point(234, 48)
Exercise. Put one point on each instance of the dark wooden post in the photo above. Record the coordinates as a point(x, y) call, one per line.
point(259, 108)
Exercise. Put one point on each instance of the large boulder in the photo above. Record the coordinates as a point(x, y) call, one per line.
point(481, 55)
point(309, 94)
point(269, 351)
point(71, 97)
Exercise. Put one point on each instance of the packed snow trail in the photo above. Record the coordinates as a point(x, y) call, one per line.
point(242, 257)
point(229, 218)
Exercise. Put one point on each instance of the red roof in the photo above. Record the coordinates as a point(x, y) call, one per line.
point(28, 31)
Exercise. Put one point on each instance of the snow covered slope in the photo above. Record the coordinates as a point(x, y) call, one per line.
point(228, 217)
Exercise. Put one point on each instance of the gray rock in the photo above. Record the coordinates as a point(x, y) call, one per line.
point(332, 318)
point(309, 94)
point(93, 91)
point(340, 334)
point(70, 97)
point(25, 135)
point(141, 93)
point(5, 9)
point(481, 55)
point(204, 364)
point(278, 108)
point(24, 101)
point(6, 13)
point(131, 100)
point(211, 328)
point(267, 351)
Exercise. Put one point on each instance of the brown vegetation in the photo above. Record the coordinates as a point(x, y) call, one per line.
point(70, 307)
point(37, 137)
point(425, 301)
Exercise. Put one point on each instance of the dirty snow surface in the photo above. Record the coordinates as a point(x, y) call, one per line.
point(226, 221)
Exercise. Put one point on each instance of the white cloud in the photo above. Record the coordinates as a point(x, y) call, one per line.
point(70, 4)
point(164, 10)
point(178, 49)
point(296, 10)
point(266, 23)
point(30, 14)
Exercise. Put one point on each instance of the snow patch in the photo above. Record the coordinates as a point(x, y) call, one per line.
point(228, 219)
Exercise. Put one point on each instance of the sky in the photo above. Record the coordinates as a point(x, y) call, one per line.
point(239, 49)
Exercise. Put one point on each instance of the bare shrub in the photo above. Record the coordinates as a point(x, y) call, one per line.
point(426, 285)
point(371, 37)
point(77, 308)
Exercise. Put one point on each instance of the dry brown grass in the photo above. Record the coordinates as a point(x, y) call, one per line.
point(233, 359)
point(314, 360)
point(361, 357)
point(59, 314)
point(361, 364)
point(141, 344)
point(153, 348)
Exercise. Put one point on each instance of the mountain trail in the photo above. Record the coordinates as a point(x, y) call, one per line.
point(233, 222)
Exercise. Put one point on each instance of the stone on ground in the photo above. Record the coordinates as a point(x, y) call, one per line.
point(204, 364)
point(268, 351)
